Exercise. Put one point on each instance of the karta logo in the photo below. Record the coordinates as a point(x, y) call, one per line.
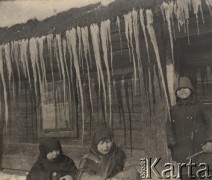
point(149, 167)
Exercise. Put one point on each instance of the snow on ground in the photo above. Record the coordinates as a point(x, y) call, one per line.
point(4, 176)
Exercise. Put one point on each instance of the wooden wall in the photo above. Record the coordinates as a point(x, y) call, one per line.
point(145, 109)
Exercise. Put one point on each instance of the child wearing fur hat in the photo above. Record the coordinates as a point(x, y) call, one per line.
point(189, 130)
point(52, 164)
point(105, 160)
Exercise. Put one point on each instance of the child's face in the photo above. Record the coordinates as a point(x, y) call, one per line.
point(52, 155)
point(183, 93)
point(104, 146)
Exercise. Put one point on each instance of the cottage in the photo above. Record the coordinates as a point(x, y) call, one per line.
point(97, 66)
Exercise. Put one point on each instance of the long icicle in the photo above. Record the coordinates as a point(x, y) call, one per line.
point(209, 4)
point(141, 12)
point(42, 61)
point(16, 59)
point(34, 59)
point(128, 33)
point(24, 44)
point(95, 41)
point(64, 43)
point(59, 44)
point(151, 32)
point(22, 56)
point(119, 28)
point(13, 62)
point(169, 8)
point(79, 35)
point(64, 47)
point(4, 85)
point(105, 25)
point(110, 44)
point(56, 55)
point(137, 44)
point(72, 43)
point(49, 45)
point(8, 62)
point(38, 66)
point(85, 43)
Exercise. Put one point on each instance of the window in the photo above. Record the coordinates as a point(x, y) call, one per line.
point(57, 110)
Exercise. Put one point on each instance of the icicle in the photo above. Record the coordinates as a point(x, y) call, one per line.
point(136, 37)
point(126, 22)
point(57, 56)
point(38, 66)
point(110, 44)
point(23, 51)
point(64, 43)
point(16, 59)
point(4, 85)
point(128, 33)
point(197, 5)
point(24, 59)
point(144, 31)
point(209, 4)
point(71, 37)
point(182, 14)
point(151, 32)
point(86, 44)
point(86, 48)
point(105, 39)
point(182, 11)
point(49, 45)
point(119, 27)
point(8, 61)
point(95, 41)
point(168, 9)
point(163, 14)
point(59, 44)
point(34, 59)
point(42, 61)
point(13, 62)
point(79, 35)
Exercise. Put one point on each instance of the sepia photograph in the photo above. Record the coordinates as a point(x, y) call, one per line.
point(105, 89)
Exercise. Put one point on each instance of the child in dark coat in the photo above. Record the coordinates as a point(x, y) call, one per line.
point(52, 164)
point(189, 130)
point(105, 160)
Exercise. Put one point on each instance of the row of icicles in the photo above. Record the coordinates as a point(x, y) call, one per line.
point(180, 9)
point(31, 54)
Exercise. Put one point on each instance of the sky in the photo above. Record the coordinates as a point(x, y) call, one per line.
point(19, 11)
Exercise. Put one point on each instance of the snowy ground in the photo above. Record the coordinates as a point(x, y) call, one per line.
point(4, 176)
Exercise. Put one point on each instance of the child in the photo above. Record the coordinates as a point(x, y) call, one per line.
point(189, 130)
point(52, 164)
point(105, 160)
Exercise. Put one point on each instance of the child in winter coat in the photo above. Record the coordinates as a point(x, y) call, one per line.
point(105, 160)
point(52, 164)
point(189, 130)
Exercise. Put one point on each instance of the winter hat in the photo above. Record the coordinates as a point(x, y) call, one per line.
point(102, 133)
point(48, 145)
point(183, 82)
